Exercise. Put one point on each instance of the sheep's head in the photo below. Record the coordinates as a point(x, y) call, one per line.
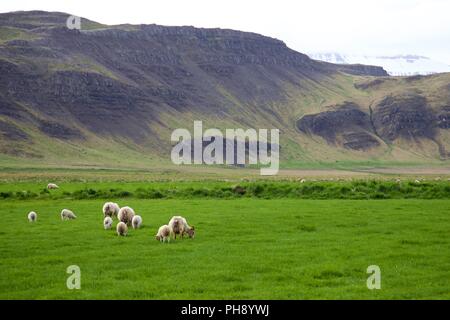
point(158, 238)
point(191, 232)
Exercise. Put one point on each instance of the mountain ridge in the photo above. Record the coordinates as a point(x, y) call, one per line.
point(113, 94)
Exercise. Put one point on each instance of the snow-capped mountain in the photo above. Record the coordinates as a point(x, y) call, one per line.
point(400, 65)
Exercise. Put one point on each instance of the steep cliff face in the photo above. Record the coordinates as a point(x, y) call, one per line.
point(404, 116)
point(443, 118)
point(345, 124)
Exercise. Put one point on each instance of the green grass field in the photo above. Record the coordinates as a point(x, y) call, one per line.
point(244, 249)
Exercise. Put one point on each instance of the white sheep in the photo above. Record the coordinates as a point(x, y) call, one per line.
point(179, 225)
point(110, 209)
point(107, 223)
point(66, 214)
point(136, 222)
point(163, 234)
point(52, 186)
point(122, 229)
point(32, 216)
point(417, 181)
point(126, 215)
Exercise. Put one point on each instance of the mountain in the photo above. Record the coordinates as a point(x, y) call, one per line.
point(399, 65)
point(112, 95)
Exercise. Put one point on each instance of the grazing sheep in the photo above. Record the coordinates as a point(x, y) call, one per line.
point(136, 222)
point(126, 215)
point(32, 216)
point(190, 232)
point(417, 181)
point(176, 227)
point(303, 181)
point(122, 229)
point(179, 225)
point(52, 186)
point(110, 209)
point(107, 223)
point(66, 214)
point(163, 234)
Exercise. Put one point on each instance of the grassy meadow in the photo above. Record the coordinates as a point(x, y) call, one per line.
point(280, 242)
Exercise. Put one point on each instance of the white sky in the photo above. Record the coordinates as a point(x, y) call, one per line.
point(348, 26)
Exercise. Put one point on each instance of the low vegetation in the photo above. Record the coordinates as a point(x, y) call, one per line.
point(357, 189)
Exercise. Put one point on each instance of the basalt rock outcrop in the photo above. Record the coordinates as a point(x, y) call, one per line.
point(344, 124)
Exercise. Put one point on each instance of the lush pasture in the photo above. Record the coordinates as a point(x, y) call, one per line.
point(244, 248)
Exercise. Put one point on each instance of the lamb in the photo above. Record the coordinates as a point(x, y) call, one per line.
point(66, 214)
point(122, 229)
point(32, 216)
point(136, 222)
point(179, 225)
point(110, 209)
point(126, 215)
point(107, 223)
point(163, 234)
point(52, 186)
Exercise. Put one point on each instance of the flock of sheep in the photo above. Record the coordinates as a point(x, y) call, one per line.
point(127, 217)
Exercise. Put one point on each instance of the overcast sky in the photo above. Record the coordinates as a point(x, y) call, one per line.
point(373, 27)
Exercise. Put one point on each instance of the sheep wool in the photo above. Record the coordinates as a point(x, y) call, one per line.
point(122, 229)
point(136, 222)
point(110, 209)
point(126, 215)
point(107, 223)
point(179, 225)
point(163, 234)
point(32, 216)
point(66, 214)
